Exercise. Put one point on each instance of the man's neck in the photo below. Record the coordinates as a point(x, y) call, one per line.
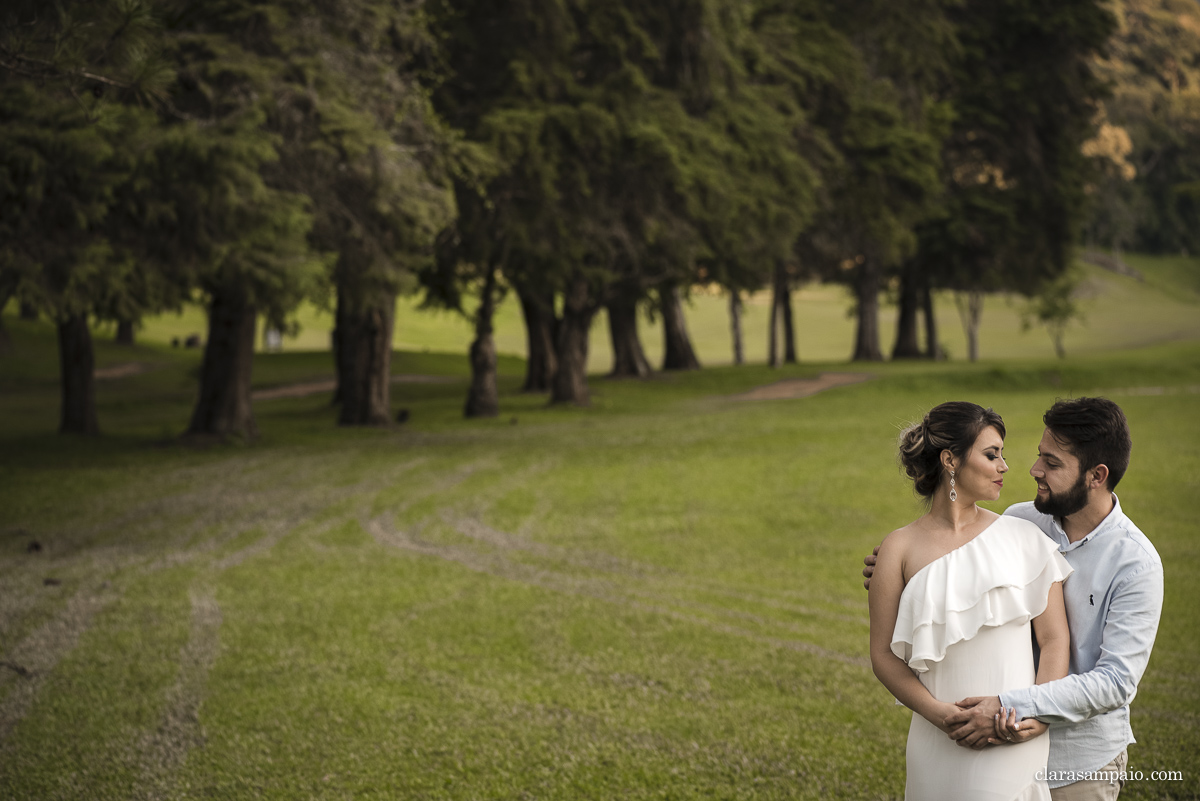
point(1084, 522)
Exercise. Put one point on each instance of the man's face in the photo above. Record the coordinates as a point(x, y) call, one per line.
point(1062, 488)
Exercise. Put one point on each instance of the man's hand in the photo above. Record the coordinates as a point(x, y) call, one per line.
point(869, 570)
point(975, 722)
point(1010, 731)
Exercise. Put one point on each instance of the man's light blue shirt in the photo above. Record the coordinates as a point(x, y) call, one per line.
point(1114, 600)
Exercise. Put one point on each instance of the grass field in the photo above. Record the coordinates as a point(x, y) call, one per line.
point(655, 597)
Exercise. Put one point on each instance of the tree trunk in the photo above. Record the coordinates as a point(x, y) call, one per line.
point(223, 408)
point(866, 339)
point(970, 310)
point(124, 332)
point(28, 311)
point(5, 339)
point(773, 352)
point(629, 360)
point(365, 360)
point(907, 344)
point(1056, 335)
point(540, 340)
point(933, 348)
point(677, 351)
point(483, 397)
point(784, 288)
point(735, 325)
point(570, 379)
point(77, 366)
point(337, 342)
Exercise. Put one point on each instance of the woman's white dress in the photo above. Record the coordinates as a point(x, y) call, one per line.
point(964, 629)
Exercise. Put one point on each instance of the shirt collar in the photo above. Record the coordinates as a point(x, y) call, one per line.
point(1111, 521)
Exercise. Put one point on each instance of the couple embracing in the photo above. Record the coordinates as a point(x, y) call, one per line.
point(994, 628)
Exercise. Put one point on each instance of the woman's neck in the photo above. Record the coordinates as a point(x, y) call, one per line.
point(958, 516)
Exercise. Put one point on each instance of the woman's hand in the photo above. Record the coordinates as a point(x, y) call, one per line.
point(1010, 731)
point(941, 712)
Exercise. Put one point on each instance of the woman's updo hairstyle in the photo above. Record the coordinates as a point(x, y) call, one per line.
point(953, 427)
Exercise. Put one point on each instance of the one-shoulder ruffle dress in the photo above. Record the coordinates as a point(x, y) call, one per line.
point(964, 629)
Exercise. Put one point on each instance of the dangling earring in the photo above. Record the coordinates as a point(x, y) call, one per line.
point(953, 492)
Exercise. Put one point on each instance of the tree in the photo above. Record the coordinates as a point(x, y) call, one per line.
point(73, 86)
point(1054, 307)
point(629, 360)
point(471, 255)
point(1148, 196)
point(1013, 170)
point(887, 128)
point(537, 312)
point(315, 118)
point(242, 234)
point(247, 244)
point(363, 141)
point(884, 185)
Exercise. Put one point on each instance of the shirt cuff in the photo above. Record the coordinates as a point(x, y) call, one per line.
point(1021, 700)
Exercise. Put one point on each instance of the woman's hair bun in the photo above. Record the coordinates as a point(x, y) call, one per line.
point(952, 426)
point(920, 461)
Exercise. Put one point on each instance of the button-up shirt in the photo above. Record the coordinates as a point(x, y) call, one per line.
point(1113, 599)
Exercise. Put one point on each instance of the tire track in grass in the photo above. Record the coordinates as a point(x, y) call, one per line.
point(591, 560)
point(162, 751)
point(40, 652)
point(542, 508)
point(497, 563)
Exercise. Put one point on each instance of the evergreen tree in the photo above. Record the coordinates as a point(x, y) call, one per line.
point(74, 130)
point(1013, 170)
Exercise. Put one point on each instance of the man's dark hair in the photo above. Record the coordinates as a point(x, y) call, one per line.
point(1095, 431)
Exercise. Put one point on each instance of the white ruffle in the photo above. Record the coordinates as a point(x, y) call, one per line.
point(1002, 576)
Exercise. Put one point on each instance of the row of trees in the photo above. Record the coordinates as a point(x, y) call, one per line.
point(580, 154)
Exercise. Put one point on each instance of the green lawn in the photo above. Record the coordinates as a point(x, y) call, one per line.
point(655, 597)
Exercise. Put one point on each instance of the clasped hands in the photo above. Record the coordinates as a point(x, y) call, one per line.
point(982, 721)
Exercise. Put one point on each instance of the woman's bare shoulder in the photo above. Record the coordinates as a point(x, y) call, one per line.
point(899, 540)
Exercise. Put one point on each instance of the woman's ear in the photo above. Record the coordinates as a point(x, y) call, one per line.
point(949, 462)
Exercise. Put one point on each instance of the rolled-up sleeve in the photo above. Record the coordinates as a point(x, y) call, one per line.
point(1128, 636)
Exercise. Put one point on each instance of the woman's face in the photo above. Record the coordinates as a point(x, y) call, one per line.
point(980, 476)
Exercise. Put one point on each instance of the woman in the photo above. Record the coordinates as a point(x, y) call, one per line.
point(952, 599)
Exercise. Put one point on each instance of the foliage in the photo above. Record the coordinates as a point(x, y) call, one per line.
point(62, 168)
point(1023, 96)
point(74, 134)
point(1153, 66)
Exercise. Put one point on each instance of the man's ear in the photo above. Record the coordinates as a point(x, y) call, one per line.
point(1098, 476)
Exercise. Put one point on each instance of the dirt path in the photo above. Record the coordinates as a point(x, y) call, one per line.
point(802, 387)
point(122, 370)
point(128, 369)
point(328, 385)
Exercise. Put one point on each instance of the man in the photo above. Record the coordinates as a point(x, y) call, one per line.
point(1113, 601)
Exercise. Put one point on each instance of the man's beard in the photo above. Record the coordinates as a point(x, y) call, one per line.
point(1066, 503)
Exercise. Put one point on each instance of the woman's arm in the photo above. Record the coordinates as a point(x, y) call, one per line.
point(1054, 643)
point(884, 597)
point(1053, 636)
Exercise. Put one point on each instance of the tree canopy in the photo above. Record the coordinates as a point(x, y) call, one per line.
point(253, 154)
